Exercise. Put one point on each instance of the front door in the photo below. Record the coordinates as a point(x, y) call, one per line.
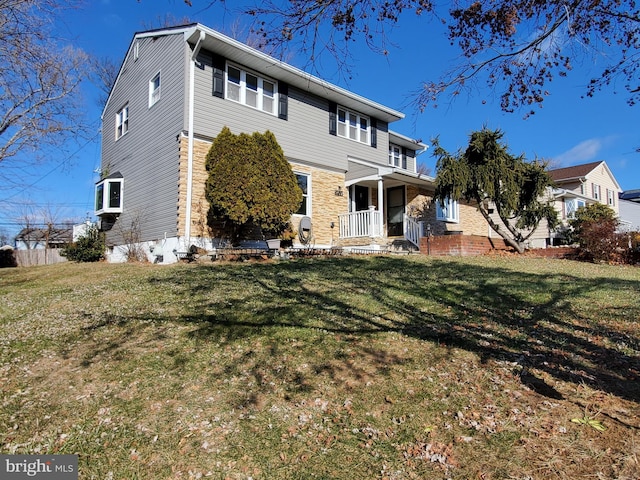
point(361, 199)
point(395, 211)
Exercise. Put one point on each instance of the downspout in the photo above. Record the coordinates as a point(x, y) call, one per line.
point(192, 70)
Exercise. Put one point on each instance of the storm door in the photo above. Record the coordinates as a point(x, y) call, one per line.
point(395, 211)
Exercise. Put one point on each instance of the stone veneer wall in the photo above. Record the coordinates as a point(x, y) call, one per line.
point(325, 204)
point(199, 205)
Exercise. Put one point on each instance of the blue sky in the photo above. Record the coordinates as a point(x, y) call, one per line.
point(568, 130)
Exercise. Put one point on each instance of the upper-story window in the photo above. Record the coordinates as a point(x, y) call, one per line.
point(354, 126)
point(249, 89)
point(595, 191)
point(122, 121)
point(448, 210)
point(396, 157)
point(154, 90)
point(611, 197)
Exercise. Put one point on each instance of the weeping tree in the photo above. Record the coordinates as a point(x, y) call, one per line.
point(487, 175)
point(250, 186)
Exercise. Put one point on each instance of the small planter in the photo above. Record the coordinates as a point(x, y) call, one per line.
point(274, 244)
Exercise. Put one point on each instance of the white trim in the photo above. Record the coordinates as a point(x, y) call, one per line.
point(192, 75)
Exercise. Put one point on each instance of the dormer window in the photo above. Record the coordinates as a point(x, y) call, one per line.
point(109, 195)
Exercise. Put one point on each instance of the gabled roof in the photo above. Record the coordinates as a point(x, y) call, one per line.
point(573, 173)
point(579, 172)
point(204, 37)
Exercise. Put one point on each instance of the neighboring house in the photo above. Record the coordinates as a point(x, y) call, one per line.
point(629, 203)
point(575, 187)
point(41, 238)
point(175, 91)
point(579, 186)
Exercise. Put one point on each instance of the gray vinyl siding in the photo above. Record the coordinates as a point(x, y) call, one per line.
point(630, 215)
point(304, 135)
point(147, 156)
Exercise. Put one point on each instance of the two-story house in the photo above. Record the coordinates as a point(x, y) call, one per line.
point(175, 91)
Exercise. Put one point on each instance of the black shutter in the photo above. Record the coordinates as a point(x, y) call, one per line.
point(333, 118)
point(283, 101)
point(218, 76)
point(403, 162)
point(374, 133)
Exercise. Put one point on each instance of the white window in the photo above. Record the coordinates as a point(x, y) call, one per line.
point(109, 196)
point(122, 122)
point(304, 184)
point(572, 205)
point(353, 126)
point(154, 90)
point(250, 89)
point(448, 210)
point(611, 198)
point(395, 156)
point(595, 191)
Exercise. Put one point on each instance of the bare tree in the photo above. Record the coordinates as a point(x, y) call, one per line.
point(40, 77)
point(104, 72)
point(515, 47)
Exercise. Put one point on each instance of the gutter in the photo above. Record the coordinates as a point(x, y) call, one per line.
point(192, 65)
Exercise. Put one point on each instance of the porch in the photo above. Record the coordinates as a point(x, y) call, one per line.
point(385, 206)
point(367, 227)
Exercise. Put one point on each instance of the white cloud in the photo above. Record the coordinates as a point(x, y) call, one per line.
point(581, 153)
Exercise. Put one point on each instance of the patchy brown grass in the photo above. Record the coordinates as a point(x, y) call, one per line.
point(378, 367)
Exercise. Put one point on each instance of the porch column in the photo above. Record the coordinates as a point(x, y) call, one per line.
point(381, 205)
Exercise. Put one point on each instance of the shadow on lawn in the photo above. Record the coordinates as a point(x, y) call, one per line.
point(540, 324)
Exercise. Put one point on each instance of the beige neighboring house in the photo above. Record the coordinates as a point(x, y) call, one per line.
point(582, 185)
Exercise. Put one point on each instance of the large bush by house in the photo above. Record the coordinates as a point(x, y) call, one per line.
point(250, 186)
point(88, 248)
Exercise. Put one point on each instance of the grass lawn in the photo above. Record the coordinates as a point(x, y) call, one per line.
point(337, 368)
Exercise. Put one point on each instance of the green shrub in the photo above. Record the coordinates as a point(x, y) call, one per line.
point(251, 188)
point(88, 248)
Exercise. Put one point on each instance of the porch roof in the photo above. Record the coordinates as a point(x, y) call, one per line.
point(362, 171)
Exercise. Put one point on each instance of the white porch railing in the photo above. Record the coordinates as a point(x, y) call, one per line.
point(412, 230)
point(365, 223)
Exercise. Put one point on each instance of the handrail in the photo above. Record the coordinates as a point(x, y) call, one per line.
point(412, 230)
point(364, 223)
